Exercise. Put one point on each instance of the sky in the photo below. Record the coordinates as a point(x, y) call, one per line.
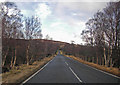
point(62, 20)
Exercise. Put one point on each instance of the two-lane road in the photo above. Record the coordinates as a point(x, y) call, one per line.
point(62, 69)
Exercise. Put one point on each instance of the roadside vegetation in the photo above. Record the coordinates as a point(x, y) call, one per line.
point(102, 39)
point(22, 41)
point(22, 72)
point(103, 32)
point(24, 51)
point(112, 70)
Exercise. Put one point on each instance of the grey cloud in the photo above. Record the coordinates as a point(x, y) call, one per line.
point(83, 10)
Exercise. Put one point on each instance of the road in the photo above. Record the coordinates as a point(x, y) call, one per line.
point(62, 69)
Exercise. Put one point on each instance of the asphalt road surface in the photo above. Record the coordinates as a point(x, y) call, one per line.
point(62, 69)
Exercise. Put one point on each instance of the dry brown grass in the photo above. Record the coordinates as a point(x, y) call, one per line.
point(112, 70)
point(20, 73)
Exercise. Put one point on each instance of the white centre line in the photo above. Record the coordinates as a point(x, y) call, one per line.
point(75, 75)
point(66, 63)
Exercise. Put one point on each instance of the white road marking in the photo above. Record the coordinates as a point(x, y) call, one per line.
point(37, 72)
point(75, 75)
point(97, 69)
point(102, 71)
point(66, 63)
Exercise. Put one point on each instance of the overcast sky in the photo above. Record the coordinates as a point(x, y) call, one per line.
point(63, 21)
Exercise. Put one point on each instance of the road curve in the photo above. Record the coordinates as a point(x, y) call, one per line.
point(66, 70)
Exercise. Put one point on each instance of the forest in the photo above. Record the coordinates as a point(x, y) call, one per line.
point(22, 41)
point(103, 32)
point(102, 37)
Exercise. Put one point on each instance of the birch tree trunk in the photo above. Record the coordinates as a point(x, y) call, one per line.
point(15, 57)
point(97, 60)
point(105, 57)
point(11, 63)
point(5, 57)
point(102, 61)
point(27, 55)
point(111, 65)
point(109, 54)
point(93, 59)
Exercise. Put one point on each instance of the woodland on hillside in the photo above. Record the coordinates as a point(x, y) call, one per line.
point(103, 32)
point(102, 37)
point(19, 38)
point(16, 52)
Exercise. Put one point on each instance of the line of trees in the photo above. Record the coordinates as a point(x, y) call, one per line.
point(103, 31)
point(22, 43)
point(85, 52)
point(102, 37)
point(15, 25)
point(18, 52)
point(21, 38)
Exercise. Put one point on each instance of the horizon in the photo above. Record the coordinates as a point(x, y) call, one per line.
point(62, 21)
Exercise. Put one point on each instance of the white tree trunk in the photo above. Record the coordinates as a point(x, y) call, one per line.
point(27, 56)
point(105, 57)
point(5, 57)
point(15, 57)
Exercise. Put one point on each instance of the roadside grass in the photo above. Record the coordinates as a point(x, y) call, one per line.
point(22, 72)
point(112, 70)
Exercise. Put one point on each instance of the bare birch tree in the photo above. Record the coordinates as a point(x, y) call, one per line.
point(32, 30)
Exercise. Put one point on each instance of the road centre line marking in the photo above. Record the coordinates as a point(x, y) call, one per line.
point(75, 75)
point(36, 72)
point(66, 63)
point(98, 69)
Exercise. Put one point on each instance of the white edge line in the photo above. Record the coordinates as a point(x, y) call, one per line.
point(102, 71)
point(36, 72)
point(99, 70)
point(75, 75)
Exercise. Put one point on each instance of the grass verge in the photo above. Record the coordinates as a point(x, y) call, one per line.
point(112, 70)
point(22, 72)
